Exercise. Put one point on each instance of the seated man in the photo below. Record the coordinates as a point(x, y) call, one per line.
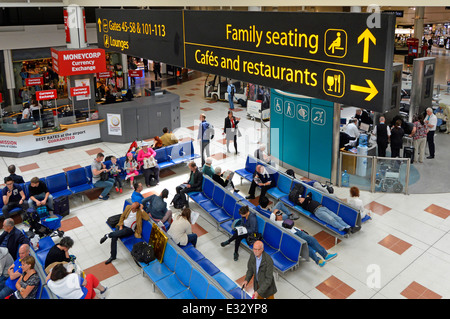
point(157, 207)
point(39, 194)
point(14, 272)
point(261, 154)
point(194, 184)
point(313, 245)
point(136, 196)
point(97, 168)
point(226, 183)
point(262, 179)
point(130, 223)
point(12, 173)
point(207, 168)
point(168, 138)
point(12, 238)
point(324, 214)
point(279, 207)
point(13, 196)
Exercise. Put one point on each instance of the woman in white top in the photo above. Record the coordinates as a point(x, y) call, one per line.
point(180, 229)
point(357, 203)
point(71, 286)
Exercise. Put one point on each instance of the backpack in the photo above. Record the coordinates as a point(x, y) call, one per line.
point(143, 252)
point(288, 223)
point(232, 91)
point(296, 192)
point(179, 201)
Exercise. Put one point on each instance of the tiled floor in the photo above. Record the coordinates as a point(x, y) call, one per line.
point(403, 252)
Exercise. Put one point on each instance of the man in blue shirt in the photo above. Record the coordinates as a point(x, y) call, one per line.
point(230, 90)
point(204, 135)
point(13, 196)
point(14, 271)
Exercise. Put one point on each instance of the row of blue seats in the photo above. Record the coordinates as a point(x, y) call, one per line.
point(176, 276)
point(285, 183)
point(285, 248)
point(79, 180)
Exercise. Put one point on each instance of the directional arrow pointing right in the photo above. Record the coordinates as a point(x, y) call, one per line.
point(372, 90)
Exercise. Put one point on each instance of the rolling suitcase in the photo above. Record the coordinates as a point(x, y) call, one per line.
point(61, 206)
point(408, 150)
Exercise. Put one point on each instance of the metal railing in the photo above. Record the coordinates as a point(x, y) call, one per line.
point(375, 174)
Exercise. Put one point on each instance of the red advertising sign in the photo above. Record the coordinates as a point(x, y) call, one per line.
point(1, 98)
point(66, 25)
point(46, 95)
point(73, 62)
point(135, 73)
point(34, 81)
point(79, 90)
point(104, 75)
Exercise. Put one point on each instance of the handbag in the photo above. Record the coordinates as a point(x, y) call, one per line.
point(149, 162)
point(253, 237)
point(104, 176)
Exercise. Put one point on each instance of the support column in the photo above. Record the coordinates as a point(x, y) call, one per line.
point(418, 25)
point(125, 70)
point(9, 73)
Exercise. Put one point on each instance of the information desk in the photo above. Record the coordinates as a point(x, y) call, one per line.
point(32, 142)
point(139, 119)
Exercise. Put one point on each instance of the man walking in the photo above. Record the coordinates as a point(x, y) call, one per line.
point(204, 135)
point(260, 267)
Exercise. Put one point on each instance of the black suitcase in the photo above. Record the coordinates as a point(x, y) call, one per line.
point(61, 206)
point(408, 150)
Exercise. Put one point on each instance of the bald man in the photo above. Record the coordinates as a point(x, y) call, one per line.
point(130, 223)
point(260, 267)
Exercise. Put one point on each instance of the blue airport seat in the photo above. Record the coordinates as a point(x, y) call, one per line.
point(271, 238)
point(283, 187)
point(193, 252)
point(288, 255)
point(214, 293)
point(157, 271)
point(208, 266)
point(57, 185)
point(78, 181)
point(178, 281)
point(225, 281)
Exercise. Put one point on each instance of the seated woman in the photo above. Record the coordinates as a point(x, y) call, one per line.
point(28, 283)
point(147, 162)
point(59, 252)
point(357, 203)
point(225, 183)
point(181, 230)
point(71, 286)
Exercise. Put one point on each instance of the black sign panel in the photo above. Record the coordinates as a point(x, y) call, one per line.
point(340, 57)
point(331, 56)
point(151, 34)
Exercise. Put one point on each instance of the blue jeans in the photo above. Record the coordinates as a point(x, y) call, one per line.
point(230, 99)
point(6, 291)
point(327, 216)
point(313, 246)
point(192, 238)
point(284, 209)
point(40, 197)
point(107, 185)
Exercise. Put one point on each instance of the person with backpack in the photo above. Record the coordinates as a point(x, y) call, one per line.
point(205, 134)
point(231, 89)
point(157, 207)
point(130, 223)
point(194, 184)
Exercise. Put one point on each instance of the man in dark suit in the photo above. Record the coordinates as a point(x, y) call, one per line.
point(12, 238)
point(194, 184)
point(230, 130)
point(260, 267)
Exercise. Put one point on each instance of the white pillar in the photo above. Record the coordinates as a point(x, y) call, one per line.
point(355, 9)
point(418, 25)
point(9, 73)
point(254, 8)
